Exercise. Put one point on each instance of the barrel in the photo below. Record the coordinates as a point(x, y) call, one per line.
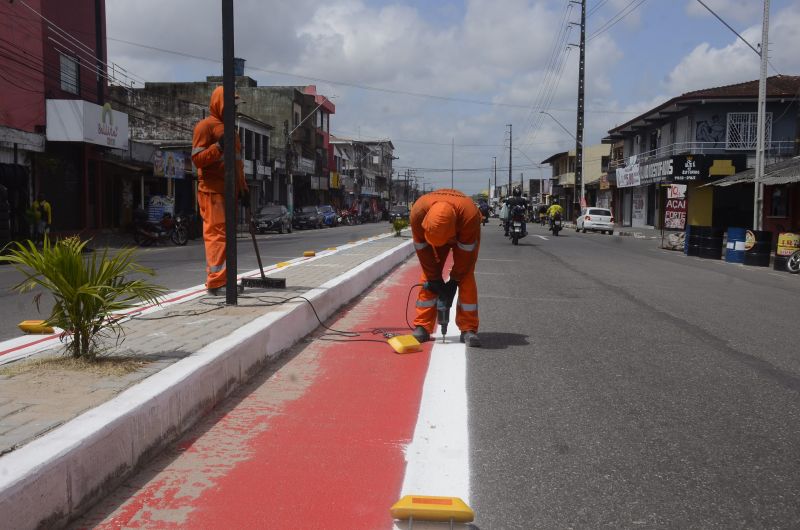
point(788, 244)
point(734, 252)
point(758, 247)
point(706, 242)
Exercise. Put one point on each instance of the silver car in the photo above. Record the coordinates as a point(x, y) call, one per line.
point(596, 220)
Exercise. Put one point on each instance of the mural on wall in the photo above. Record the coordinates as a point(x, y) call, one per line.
point(712, 132)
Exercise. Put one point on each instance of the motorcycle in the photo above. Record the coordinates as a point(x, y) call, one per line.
point(555, 225)
point(516, 230)
point(793, 263)
point(146, 233)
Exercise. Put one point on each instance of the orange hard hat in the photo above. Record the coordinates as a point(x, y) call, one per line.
point(440, 224)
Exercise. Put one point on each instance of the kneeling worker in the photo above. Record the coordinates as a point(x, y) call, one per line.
point(440, 221)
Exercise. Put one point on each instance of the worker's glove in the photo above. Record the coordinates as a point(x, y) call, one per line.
point(221, 143)
point(434, 286)
point(450, 288)
point(244, 198)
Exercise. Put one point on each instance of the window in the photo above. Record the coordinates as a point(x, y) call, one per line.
point(779, 206)
point(70, 80)
point(265, 149)
point(248, 144)
point(742, 128)
point(257, 146)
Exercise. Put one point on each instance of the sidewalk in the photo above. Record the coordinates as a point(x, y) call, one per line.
point(69, 437)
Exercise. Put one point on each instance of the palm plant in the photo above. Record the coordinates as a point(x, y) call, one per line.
point(90, 290)
point(399, 225)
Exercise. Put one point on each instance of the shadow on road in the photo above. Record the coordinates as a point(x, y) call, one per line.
point(500, 341)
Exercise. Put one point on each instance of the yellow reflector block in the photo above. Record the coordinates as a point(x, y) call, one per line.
point(428, 508)
point(405, 344)
point(282, 264)
point(309, 254)
point(34, 326)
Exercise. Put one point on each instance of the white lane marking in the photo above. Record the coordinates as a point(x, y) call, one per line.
point(542, 237)
point(437, 459)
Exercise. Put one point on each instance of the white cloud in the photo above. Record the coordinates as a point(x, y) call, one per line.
point(735, 10)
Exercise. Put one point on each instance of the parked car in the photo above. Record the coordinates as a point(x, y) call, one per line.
point(329, 215)
point(398, 212)
point(273, 218)
point(596, 220)
point(307, 217)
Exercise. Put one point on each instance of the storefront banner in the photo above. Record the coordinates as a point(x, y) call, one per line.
point(655, 171)
point(76, 120)
point(629, 175)
point(169, 164)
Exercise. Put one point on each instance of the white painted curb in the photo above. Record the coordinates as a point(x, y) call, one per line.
point(55, 478)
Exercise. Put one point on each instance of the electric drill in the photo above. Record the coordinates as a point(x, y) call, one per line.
point(446, 293)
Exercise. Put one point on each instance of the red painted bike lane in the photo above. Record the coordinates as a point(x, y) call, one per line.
point(317, 444)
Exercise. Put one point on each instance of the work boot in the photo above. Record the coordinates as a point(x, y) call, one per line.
point(421, 334)
point(470, 338)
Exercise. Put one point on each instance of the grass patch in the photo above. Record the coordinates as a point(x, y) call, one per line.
point(102, 366)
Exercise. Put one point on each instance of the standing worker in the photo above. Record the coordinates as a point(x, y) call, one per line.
point(440, 221)
point(208, 145)
point(43, 218)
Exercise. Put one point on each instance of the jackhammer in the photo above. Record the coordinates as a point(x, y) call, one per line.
point(446, 293)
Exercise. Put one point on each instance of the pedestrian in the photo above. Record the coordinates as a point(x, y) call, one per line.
point(43, 218)
point(208, 145)
point(440, 221)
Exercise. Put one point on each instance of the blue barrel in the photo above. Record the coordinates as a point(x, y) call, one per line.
point(734, 251)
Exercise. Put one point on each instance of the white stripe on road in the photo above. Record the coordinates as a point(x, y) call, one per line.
point(437, 460)
point(542, 237)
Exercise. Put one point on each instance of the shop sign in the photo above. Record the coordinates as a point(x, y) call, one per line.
point(262, 169)
point(76, 120)
point(629, 175)
point(675, 210)
point(248, 167)
point(689, 168)
point(158, 206)
point(305, 165)
point(604, 184)
point(656, 171)
point(169, 164)
point(334, 180)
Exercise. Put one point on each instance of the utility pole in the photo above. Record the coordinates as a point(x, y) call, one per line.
point(510, 139)
point(579, 128)
point(758, 187)
point(229, 154)
point(452, 161)
point(494, 159)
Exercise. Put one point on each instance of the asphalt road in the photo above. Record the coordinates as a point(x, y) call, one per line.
point(181, 267)
point(624, 386)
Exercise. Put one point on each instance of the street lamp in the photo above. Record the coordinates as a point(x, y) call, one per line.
point(576, 141)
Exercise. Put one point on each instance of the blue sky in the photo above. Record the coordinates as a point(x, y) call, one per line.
point(487, 50)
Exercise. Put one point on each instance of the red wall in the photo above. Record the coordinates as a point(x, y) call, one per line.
point(78, 19)
point(21, 76)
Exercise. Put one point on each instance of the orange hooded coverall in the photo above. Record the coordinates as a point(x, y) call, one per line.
point(440, 221)
point(208, 158)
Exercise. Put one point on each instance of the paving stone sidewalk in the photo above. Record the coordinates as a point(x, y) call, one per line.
point(35, 402)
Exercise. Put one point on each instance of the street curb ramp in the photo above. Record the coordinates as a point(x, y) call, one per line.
point(54, 479)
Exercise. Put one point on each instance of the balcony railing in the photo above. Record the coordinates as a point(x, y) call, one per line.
point(775, 149)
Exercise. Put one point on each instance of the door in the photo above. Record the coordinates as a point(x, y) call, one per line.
point(627, 207)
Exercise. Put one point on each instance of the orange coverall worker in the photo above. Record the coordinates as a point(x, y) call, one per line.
point(440, 221)
point(207, 156)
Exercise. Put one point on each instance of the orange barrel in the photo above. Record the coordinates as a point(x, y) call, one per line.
point(788, 244)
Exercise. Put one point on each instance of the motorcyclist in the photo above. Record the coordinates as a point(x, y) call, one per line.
point(555, 210)
point(483, 206)
point(516, 199)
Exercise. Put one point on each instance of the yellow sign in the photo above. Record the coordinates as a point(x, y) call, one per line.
point(722, 168)
point(788, 243)
point(429, 508)
point(749, 240)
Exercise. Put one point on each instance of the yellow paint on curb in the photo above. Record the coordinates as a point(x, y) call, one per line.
point(309, 254)
point(282, 264)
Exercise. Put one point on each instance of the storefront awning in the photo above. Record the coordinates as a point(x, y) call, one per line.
point(783, 172)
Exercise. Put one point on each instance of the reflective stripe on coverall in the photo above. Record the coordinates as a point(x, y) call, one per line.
point(465, 255)
point(208, 158)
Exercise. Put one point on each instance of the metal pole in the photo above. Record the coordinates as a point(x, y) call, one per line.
point(510, 139)
point(758, 187)
point(494, 159)
point(229, 156)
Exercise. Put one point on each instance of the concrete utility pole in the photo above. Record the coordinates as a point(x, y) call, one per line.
point(579, 131)
point(229, 155)
point(510, 139)
point(494, 160)
point(758, 187)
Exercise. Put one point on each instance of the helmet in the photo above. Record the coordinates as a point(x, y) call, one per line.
point(517, 192)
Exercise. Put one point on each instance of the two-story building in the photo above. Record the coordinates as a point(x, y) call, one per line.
point(698, 137)
point(365, 170)
point(595, 163)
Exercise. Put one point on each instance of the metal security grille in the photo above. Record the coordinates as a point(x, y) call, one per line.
point(742, 127)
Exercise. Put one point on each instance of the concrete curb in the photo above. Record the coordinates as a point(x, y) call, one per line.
point(54, 479)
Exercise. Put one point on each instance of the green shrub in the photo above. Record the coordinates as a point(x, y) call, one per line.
point(399, 225)
point(89, 289)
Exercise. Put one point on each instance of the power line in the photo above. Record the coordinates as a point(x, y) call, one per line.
point(624, 12)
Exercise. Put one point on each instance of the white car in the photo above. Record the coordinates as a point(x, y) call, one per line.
point(596, 220)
